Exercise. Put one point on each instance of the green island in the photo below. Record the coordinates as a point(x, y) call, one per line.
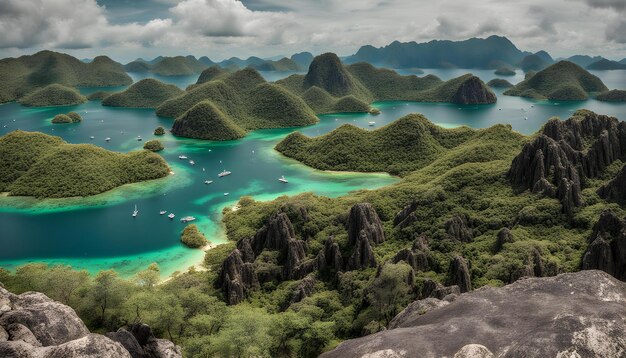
point(562, 81)
point(147, 93)
point(499, 83)
point(192, 237)
point(153, 145)
point(159, 131)
point(98, 95)
point(20, 76)
point(612, 96)
point(71, 117)
point(53, 95)
point(43, 166)
point(246, 99)
point(206, 121)
point(504, 71)
point(403, 146)
point(606, 65)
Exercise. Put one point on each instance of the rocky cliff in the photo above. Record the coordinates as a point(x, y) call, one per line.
point(34, 326)
point(615, 190)
point(473, 91)
point(570, 315)
point(252, 263)
point(607, 246)
point(552, 164)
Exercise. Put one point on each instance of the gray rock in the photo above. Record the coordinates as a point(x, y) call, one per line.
point(17, 349)
point(162, 348)
point(51, 322)
point(457, 229)
point(303, 290)
point(128, 341)
point(417, 308)
point(19, 332)
point(236, 278)
point(459, 274)
point(362, 254)
point(504, 237)
point(579, 314)
point(4, 335)
point(330, 256)
point(473, 351)
point(615, 190)
point(607, 247)
point(92, 346)
point(473, 91)
point(418, 257)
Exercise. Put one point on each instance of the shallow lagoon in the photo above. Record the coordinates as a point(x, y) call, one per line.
point(99, 233)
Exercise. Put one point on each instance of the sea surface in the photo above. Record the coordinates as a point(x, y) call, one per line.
point(99, 232)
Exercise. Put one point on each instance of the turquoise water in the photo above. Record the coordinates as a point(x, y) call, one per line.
point(98, 232)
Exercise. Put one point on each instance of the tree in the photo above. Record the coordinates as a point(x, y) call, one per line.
point(63, 283)
point(149, 277)
point(106, 291)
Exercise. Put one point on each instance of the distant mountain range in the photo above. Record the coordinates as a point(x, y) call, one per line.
point(190, 65)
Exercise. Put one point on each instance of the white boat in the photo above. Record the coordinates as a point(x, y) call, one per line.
point(192, 162)
point(282, 179)
point(107, 139)
point(371, 123)
point(182, 157)
point(139, 138)
point(171, 215)
point(202, 169)
point(187, 219)
point(162, 212)
point(226, 194)
point(135, 212)
point(208, 181)
point(224, 173)
point(92, 137)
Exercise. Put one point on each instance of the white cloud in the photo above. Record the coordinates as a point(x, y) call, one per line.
point(224, 28)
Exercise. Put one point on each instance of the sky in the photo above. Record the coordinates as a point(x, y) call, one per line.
point(219, 29)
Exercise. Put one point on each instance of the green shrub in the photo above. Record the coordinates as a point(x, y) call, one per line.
point(192, 237)
point(153, 145)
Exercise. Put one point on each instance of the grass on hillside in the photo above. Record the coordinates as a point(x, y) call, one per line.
point(147, 93)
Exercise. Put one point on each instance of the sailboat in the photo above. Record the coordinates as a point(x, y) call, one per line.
point(224, 173)
point(283, 179)
point(135, 212)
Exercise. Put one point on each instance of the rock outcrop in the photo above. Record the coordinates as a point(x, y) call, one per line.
point(473, 91)
point(418, 257)
point(236, 278)
point(406, 216)
point(459, 274)
point(552, 164)
point(457, 229)
point(362, 253)
point(330, 257)
point(140, 342)
point(571, 315)
point(34, 326)
point(327, 72)
point(607, 246)
point(504, 237)
point(615, 190)
point(363, 218)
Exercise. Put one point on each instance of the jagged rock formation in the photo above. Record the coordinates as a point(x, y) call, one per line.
point(236, 278)
point(473, 91)
point(535, 265)
point(607, 246)
point(242, 271)
point(303, 290)
point(504, 237)
point(434, 289)
point(529, 318)
point(416, 309)
point(459, 274)
point(33, 325)
point(327, 72)
point(615, 190)
point(406, 216)
point(364, 230)
point(553, 162)
point(457, 229)
point(418, 257)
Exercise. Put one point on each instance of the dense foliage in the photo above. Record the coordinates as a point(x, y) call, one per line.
point(159, 130)
point(98, 95)
point(499, 83)
point(192, 237)
point(504, 71)
point(71, 117)
point(53, 95)
point(561, 81)
point(168, 66)
point(153, 145)
point(246, 99)
point(39, 165)
point(401, 147)
point(147, 93)
point(612, 96)
point(19, 76)
point(206, 121)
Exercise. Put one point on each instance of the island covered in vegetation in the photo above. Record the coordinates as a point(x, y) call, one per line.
point(562, 81)
point(53, 95)
point(147, 93)
point(19, 76)
point(612, 96)
point(44, 166)
point(71, 117)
